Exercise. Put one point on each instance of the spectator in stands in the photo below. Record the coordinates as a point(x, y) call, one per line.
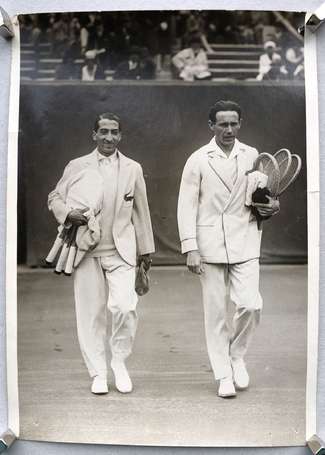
point(138, 66)
point(294, 62)
point(59, 33)
point(67, 69)
point(92, 70)
point(129, 69)
point(121, 39)
point(270, 66)
point(87, 32)
point(261, 23)
point(26, 27)
point(163, 45)
point(100, 43)
point(147, 65)
point(192, 63)
point(196, 26)
point(29, 29)
point(245, 27)
point(74, 29)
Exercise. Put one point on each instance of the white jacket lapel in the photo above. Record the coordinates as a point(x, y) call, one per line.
point(122, 181)
point(241, 168)
point(213, 162)
point(92, 159)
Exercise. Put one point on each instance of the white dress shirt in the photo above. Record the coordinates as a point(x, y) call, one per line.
point(108, 168)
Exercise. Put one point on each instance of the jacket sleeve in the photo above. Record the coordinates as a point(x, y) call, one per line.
point(179, 59)
point(188, 205)
point(141, 216)
point(57, 197)
point(203, 59)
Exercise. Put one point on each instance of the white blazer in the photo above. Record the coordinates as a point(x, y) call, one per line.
point(212, 215)
point(132, 230)
point(187, 57)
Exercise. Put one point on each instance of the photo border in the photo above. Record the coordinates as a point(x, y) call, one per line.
point(313, 227)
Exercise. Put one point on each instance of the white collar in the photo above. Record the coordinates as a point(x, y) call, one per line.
point(213, 147)
point(110, 158)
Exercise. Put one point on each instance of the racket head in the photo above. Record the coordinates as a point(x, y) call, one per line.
point(292, 173)
point(267, 164)
point(283, 157)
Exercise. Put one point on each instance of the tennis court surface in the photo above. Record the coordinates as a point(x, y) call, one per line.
point(174, 401)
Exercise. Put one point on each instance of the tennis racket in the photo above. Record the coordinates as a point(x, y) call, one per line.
point(68, 253)
point(291, 174)
point(283, 157)
point(57, 245)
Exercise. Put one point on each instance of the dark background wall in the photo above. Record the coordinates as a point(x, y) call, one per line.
point(162, 125)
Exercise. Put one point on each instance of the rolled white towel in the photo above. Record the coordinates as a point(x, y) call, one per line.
point(255, 180)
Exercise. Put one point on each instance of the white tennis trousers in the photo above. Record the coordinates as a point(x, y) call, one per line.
point(230, 341)
point(101, 284)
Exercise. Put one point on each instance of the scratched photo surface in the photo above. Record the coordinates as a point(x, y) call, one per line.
point(161, 153)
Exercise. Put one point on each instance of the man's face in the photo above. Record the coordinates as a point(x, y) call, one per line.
point(107, 136)
point(270, 51)
point(226, 128)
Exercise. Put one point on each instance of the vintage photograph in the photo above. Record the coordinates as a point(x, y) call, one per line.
point(162, 228)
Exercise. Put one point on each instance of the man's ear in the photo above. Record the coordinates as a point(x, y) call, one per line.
point(94, 135)
point(211, 125)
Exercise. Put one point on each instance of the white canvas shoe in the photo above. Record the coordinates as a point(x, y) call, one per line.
point(240, 374)
point(123, 381)
point(99, 385)
point(226, 388)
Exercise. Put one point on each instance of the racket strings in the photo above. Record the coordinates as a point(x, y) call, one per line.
point(282, 169)
point(292, 173)
point(283, 158)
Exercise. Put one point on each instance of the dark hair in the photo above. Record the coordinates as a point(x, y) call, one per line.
point(194, 39)
point(107, 116)
point(224, 106)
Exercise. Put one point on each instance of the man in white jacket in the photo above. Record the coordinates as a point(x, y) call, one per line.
point(221, 239)
point(192, 62)
point(270, 66)
point(105, 278)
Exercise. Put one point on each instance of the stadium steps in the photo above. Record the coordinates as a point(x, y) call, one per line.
point(226, 61)
point(232, 61)
point(233, 64)
point(27, 73)
point(236, 47)
point(233, 55)
point(46, 74)
point(49, 63)
point(234, 73)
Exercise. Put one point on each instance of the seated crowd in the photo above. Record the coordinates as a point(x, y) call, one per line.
point(273, 66)
point(141, 45)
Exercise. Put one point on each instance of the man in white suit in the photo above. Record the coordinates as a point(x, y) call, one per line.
point(105, 278)
point(222, 241)
point(192, 62)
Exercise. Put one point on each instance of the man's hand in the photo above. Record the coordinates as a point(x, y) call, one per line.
point(269, 209)
point(147, 261)
point(76, 217)
point(194, 262)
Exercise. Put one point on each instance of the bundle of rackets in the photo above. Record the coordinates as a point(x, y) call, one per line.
point(85, 192)
point(281, 170)
point(65, 243)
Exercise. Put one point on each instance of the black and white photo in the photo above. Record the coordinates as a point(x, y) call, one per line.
point(162, 174)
